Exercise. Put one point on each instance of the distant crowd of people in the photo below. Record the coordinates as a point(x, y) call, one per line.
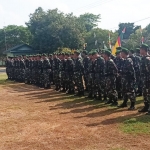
point(100, 74)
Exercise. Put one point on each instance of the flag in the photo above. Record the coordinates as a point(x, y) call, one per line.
point(109, 41)
point(104, 46)
point(118, 42)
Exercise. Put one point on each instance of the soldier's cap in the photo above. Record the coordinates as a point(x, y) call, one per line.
point(50, 55)
point(144, 46)
point(137, 49)
point(125, 50)
point(132, 51)
point(118, 52)
point(90, 53)
point(107, 52)
point(94, 52)
point(62, 53)
point(85, 52)
point(119, 48)
point(77, 52)
point(109, 49)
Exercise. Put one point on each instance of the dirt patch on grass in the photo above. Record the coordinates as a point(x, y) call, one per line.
point(33, 118)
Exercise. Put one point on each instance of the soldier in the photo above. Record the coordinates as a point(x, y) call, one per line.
point(111, 72)
point(136, 64)
point(128, 80)
point(46, 72)
point(145, 74)
point(118, 61)
point(86, 60)
point(69, 74)
point(56, 75)
point(40, 71)
point(99, 70)
point(90, 69)
point(78, 73)
point(22, 69)
point(51, 73)
point(27, 71)
point(62, 72)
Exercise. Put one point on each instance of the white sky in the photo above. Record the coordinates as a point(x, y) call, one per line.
point(112, 11)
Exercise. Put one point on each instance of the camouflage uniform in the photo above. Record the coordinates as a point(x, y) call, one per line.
point(27, 71)
point(69, 75)
point(22, 70)
point(128, 82)
point(111, 72)
point(118, 61)
point(63, 74)
point(99, 82)
point(40, 73)
point(46, 73)
point(145, 74)
point(56, 73)
point(78, 74)
point(90, 84)
point(86, 63)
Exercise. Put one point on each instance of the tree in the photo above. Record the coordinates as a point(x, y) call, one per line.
point(13, 35)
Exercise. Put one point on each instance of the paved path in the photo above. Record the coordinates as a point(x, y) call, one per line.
point(2, 70)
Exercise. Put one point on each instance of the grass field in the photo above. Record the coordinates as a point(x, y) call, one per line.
point(33, 118)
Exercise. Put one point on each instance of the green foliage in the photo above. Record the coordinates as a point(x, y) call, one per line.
point(14, 35)
point(139, 125)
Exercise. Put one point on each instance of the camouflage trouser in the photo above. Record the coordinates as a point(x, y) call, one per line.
point(99, 85)
point(40, 77)
point(33, 79)
point(78, 81)
point(110, 87)
point(27, 75)
point(46, 79)
point(119, 85)
point(146, 89)
point(128, 89)
point(139, 83)
point(22, 74)
point(63, 79)
point(86, 77)
point(56, 76)
point(90, 83)
point(69, 81)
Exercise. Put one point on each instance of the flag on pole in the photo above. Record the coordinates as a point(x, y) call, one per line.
point(118, 42)
point(109, 41)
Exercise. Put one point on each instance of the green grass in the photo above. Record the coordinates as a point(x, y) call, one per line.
point(138, 125)
point(3, 78)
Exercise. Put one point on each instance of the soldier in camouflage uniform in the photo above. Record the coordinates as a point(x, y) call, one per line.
point(56, 73)
point(136, 64)
point(118, 61)
point(27, 70)
point(111, 72)
point(86, 60)
point(51, 73)
point(99, 70)
point(145, 74)
point(78, 73)
point(90, 84)
point(128, 80)
point(46, 71)
point(69, 74)
point(40, 71)
point(22, 69)
point(62, 72)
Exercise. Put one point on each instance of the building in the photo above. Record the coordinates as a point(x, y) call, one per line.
point(22, 49)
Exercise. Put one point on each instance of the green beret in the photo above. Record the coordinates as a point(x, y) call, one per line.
point(119, 48)
point(90, 53)
point(94, 52)
point(144, 46)
point(137, 49)
point(107, 52)
point(50, 55)
point(125, 50)
point(117, 52)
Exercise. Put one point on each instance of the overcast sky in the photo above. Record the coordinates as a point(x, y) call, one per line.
point(112, 11)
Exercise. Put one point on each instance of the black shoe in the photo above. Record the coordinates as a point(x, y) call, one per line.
point(109, 102)
point(132, 106)
point(143, 110)
point(114, 104)
point(123, 105)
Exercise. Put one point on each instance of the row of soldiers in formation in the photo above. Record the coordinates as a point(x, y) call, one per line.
point(104, 76)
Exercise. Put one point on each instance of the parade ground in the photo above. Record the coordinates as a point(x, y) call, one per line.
point(36, 119)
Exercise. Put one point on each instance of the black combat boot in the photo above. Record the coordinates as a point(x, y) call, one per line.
point(115, 102)
point(145, 108)
point(124, 104)
point(132, 107)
